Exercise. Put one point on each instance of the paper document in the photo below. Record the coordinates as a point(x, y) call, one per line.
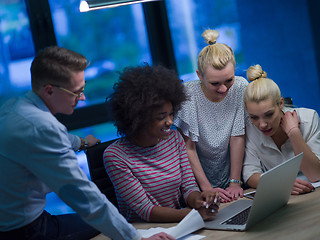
point(190, 223)
point(151, 231)
point(316, 184)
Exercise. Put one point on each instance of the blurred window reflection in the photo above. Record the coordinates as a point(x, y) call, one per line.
point(16, 49)
point(111, 39)
point(189, 20)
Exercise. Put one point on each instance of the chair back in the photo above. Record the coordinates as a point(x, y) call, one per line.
point(97, 170)
point(288, 102)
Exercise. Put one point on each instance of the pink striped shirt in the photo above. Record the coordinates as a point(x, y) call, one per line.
point(148, 177)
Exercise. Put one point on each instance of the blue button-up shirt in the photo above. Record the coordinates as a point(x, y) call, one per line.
point(37, 156)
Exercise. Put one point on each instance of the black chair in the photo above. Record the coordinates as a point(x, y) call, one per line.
point(288, 102)
point(97, 170)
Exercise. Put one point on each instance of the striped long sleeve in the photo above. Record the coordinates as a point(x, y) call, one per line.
point(148, 177)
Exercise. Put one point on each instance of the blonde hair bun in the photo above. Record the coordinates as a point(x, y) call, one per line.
point(210, 36)
point(255, 72)
point(215, 55)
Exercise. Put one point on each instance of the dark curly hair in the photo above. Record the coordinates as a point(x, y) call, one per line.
point(138, 92)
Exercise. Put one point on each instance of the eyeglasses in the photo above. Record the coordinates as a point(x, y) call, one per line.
point(77, 95)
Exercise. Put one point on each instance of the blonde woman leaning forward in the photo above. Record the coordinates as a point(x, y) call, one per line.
point(213, 120)
point(277, 133)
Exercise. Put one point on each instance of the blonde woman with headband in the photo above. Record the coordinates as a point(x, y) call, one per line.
point(212, 121)
point(276, 133)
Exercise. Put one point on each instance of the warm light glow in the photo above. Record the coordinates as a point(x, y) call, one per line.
point(85, 7)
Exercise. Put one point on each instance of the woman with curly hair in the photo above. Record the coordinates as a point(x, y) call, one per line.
point(148, 165)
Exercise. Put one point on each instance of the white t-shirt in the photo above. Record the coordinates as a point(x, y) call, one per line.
point(211, 124)
point(261, 152)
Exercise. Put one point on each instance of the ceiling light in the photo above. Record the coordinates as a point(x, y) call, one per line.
point(90, 5)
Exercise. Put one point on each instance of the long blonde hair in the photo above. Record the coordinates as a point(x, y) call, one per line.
point(260, 87)
point(216, 55)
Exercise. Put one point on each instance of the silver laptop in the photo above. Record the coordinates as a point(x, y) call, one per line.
point(272, 193)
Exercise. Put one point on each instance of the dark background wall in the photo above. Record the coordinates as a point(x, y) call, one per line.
point(282, 37)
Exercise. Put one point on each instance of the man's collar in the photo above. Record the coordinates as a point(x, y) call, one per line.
point(37, 101)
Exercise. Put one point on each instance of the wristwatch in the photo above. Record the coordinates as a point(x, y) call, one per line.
point(84, 144)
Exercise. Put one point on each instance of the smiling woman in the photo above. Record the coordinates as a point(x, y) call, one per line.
point(139, 92)
point(212, 121)
point(149, 166)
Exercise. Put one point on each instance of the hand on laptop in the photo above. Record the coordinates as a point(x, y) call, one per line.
point(225, 196)
point(301, 186)
point(208, 213)
point(209, 206)
point(235, 190)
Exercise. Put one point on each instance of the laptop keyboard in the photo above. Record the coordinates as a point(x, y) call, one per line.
point(239, 219)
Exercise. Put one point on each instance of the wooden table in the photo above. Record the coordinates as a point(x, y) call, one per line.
point(300, 219)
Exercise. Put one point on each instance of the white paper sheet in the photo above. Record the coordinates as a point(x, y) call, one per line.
point(190, 223)
point(316, 184)
point(182, 231)
point(151, 231)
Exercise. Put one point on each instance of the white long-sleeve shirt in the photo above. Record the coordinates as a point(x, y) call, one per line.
point(261, 152)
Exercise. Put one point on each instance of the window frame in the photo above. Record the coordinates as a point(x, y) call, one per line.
point(160, 42)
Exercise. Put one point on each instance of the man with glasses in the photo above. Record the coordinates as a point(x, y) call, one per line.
point(37, 156)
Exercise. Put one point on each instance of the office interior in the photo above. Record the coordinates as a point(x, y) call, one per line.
point(282, 36)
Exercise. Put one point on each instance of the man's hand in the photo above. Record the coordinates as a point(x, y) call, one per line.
point(159, 236)
point(92, 140)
